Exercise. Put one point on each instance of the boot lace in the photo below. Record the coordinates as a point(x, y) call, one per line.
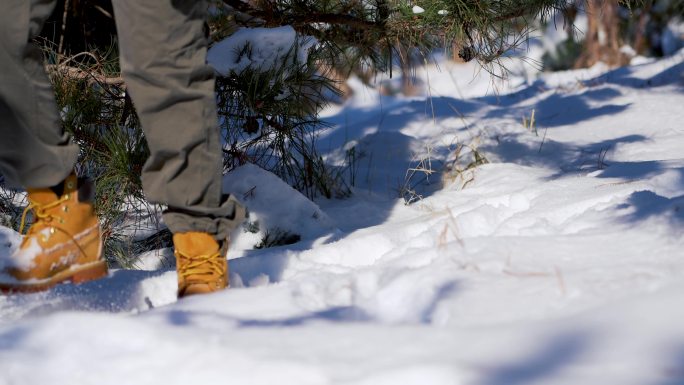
point(42, 219)
point(200, 265)
point(40, 213)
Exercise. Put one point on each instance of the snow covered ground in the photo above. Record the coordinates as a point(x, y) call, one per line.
point(561, 261)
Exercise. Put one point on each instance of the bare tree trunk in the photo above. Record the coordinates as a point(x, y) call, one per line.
point(408, 86)
point(640, 37)
point(338, 77)
point(602, 40)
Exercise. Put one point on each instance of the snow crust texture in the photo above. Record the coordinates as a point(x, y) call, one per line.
point(560, 261)
point(257, 48)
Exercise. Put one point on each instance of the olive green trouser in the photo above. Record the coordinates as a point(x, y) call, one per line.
point(163, 61)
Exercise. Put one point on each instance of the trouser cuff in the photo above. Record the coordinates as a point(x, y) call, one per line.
point(219, 223)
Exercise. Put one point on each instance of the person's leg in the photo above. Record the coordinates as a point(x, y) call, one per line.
point(163, 50)
point(34, 150)
point(64, 241)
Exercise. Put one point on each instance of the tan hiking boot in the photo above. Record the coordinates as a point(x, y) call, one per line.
point(63, 244)
point(200, 262)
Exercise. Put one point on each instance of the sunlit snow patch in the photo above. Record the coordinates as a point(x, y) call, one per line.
point(273, 206)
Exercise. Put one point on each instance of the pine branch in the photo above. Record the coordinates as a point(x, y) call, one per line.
point(302, 22)
point(75, 73)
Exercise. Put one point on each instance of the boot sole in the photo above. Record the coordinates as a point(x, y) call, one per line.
point(75, 275)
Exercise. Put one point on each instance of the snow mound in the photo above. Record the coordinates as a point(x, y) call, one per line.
point(274, 207)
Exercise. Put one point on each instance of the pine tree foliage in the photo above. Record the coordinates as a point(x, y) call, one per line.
point(269, 117)
point(270, 114)
point(349, 31)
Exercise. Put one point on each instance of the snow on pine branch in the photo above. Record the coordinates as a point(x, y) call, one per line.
point(259, 49)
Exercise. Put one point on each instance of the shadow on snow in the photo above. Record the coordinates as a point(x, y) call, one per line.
point(336, 314)
point(555, 355)
point(121, 292)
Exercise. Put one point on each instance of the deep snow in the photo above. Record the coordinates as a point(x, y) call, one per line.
point(558, 262)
